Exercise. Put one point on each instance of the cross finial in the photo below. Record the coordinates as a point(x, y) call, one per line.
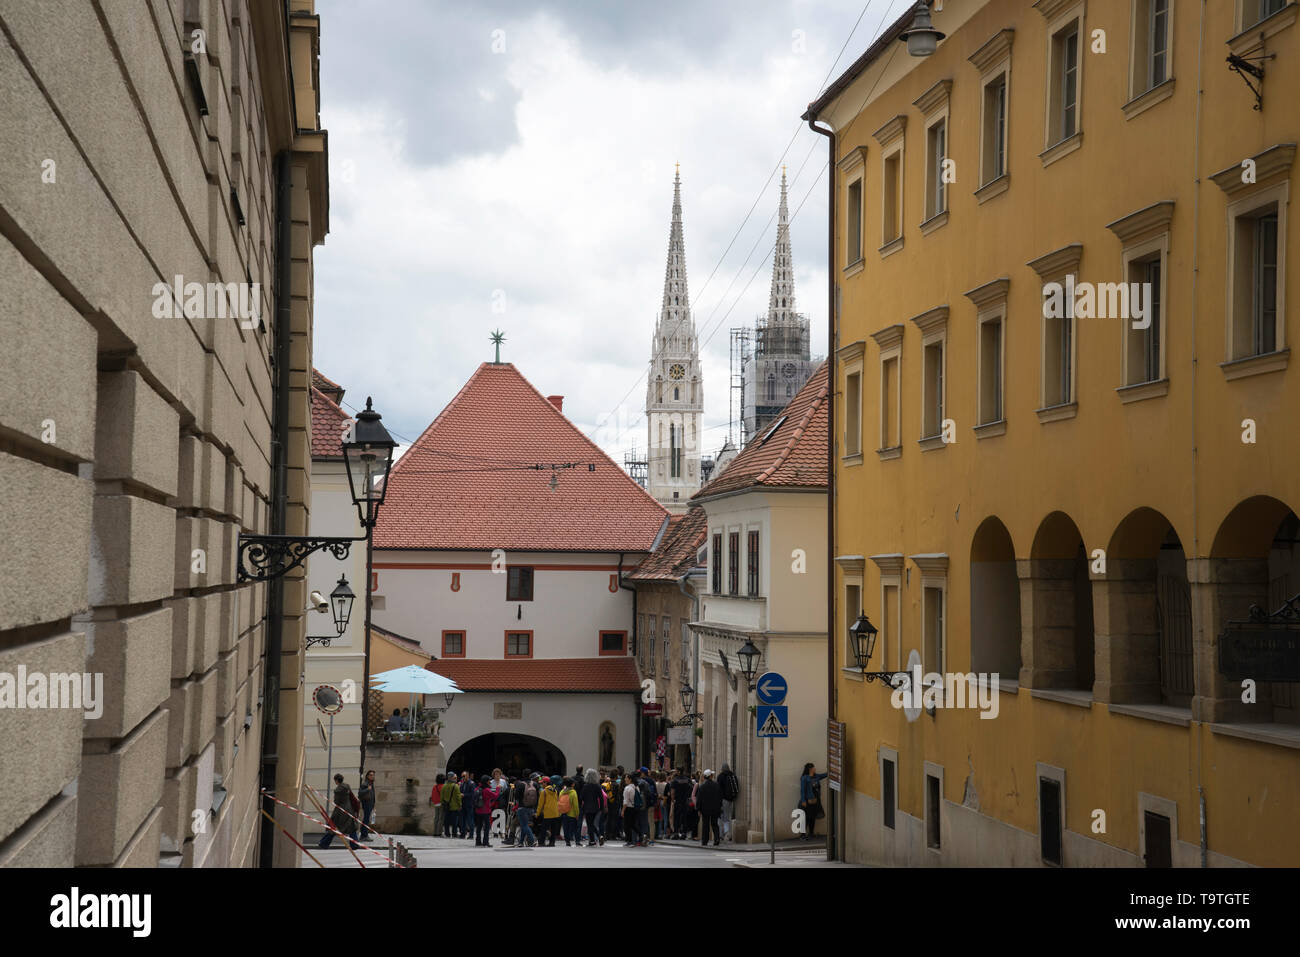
point(497, 338)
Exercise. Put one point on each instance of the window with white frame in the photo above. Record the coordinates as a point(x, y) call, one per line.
point(1064, 81)
point(890, 341)
point(852, 608)
point(891, 140)
point(853, 222)
point(1151, 45)
point(889, 641)
point(1253, 11)
point(934, 339)
point(1145, 243)
point(991, 365)
point(1059, 351)
point(934, 589)
point(993, 61)
point(934, 107)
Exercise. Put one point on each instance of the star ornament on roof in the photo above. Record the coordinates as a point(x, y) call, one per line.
point(497, 338)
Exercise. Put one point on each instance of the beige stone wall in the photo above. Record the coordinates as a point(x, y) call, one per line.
point(135, 449)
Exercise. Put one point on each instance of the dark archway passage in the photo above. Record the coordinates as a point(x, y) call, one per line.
point(512, 753)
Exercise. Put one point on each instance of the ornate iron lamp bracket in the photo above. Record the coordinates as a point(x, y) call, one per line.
point(264, 557)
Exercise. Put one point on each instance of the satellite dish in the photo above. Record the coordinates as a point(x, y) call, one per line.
point(327, 699)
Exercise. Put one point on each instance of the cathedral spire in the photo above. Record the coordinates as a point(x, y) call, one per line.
point(677, 303)
point(780, 307)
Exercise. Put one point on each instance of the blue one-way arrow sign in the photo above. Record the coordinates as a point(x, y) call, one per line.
point(772, 688)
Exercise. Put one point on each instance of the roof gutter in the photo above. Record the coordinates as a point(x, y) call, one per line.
point(832, 337)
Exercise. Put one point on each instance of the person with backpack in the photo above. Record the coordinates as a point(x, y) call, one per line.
point(729, 784)
point(570, 811)
point(810, 798)
point(485, 802)
point(528, 795)
point(708, 801)
point(548, 813)
point(451, 802)
point(631, 810)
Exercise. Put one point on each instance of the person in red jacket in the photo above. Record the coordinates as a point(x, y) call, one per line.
point(435, 799)
point(485, 802)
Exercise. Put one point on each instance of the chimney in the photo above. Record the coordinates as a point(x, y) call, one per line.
point(557, 401)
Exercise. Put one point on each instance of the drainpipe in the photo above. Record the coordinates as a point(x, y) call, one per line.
point(1196, 271)
point(279, 499)
point(832, 821)
point(695, 655)
point(636, 639)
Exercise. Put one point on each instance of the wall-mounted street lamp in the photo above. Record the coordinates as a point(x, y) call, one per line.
point(367, 453)
point(749, 656)
point(862, 633)
point(340, 604)
point(921, 37)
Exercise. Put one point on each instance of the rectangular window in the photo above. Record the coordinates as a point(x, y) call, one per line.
point(1264, 313)
point(934, 637)
point(1158, 42)
point(889, 386)
point(1159, 840)
point(1143, 359)
point(932, 415)
point(453, 644)
point(990, 395)
point(675, 451)
point(888, 637)
point(733, 563)
point(648, 652)
point(887, 798)
point(686, 651)
point(995, 129)
point(853, 414)
point(613, 642)
point(853, 219)
point(752, 576)
point(1064, 79)
point(935, 189)
point(519, 583)
point(890, 193)
point(519, 644)
point(1058, 355)
point(852, 608)
point(1253, 11)
point(933, 799)
point(1255, 279)
point(667, 642)
point(717, 564)
point(1049, 820)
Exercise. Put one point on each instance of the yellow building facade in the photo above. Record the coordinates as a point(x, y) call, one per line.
point(1064, 434)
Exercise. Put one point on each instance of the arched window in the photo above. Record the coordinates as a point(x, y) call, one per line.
point(676, 393)
point(675, 460)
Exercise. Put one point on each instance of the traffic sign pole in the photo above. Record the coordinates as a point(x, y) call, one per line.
point(771, 795)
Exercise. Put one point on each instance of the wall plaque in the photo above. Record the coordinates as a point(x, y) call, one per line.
point(508, 710)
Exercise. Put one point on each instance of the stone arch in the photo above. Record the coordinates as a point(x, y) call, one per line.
point(1143, 615)
point(509, 752)
point(1057, 643)
point(994, 602)
point(1254, 560)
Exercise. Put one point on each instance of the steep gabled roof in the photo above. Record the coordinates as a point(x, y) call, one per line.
point(471, 480)
point(570, 675)
point(791, 453)
point(676, 554)
point(327, 421)
point(332, 390)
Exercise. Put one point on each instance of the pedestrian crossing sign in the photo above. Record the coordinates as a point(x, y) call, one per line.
point(773, 721)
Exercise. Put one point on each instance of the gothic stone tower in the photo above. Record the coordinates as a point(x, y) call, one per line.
point(674, 400)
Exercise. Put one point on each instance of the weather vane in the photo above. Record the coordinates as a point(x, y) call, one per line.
point(497, 338)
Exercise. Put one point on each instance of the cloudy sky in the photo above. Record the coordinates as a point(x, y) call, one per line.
point(510, 164)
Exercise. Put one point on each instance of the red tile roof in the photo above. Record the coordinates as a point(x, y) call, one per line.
point(676, 554)
point(327, 421)
point(470, 481)
point(331, 388)
point(612, 674)
point(791, 455)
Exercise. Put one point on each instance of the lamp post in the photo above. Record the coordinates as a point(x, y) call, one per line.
point(749, 657)
point(921, 37)
point(368, 456)
point(862, 634)
point(341, 599)
point(689, 714)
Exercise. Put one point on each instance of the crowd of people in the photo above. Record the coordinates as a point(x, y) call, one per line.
point(588, 808)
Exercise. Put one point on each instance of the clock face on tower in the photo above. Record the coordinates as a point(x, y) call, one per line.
point(788, 370)
point(677, 371)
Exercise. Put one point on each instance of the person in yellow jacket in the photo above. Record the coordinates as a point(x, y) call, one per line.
point(451, 802)
point(548, 813)
point(570, 812)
